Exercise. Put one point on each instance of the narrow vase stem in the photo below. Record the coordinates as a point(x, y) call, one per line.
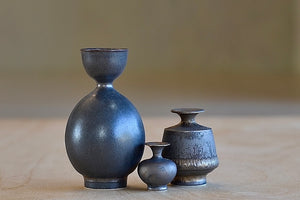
point(157, 151)
point(157, 148)
point(188, 118)
point(187, 115)
point(104, 85)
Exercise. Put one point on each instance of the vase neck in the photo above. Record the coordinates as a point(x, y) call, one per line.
point(187, 118)
point(157, 151)
point(157, 148)
point(104, 64)
point(104, 85)
point(187, 115)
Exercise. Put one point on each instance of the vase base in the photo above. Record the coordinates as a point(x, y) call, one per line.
point(105, 183)
point(158, 188)
point(189, 180)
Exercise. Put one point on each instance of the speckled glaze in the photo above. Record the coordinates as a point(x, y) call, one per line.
point(104, 135)
point(192, 148)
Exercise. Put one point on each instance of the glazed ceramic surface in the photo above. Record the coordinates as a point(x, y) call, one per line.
point(192, 148)
point(104, 134)
point(157, 172)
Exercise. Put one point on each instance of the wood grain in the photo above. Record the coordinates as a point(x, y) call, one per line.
point(259, 159)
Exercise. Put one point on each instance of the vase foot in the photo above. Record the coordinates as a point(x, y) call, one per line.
point(158, 188)
point(105, 183)
point(189, 180)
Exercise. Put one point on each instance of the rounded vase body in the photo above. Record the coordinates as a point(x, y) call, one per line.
point(104, 134)
point(157, 172)
point(192, 149)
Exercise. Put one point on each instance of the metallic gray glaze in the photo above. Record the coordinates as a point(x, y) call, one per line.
point(104, 134)
point(157, 172)
point(192, 148)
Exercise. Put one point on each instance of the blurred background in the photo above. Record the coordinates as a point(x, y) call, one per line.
point(229, 57)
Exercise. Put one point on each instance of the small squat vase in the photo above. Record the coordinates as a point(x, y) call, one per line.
point(157, 172)
point(192, 148)
point(104, 135)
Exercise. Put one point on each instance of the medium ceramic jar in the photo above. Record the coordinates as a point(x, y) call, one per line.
point(104, 134)
point(192, 148)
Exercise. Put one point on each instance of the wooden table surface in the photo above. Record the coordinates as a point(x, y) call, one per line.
point(259, 159)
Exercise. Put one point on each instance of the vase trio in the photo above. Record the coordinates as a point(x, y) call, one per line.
point(105, 135)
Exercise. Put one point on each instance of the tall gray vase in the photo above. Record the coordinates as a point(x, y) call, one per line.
point(104, 135)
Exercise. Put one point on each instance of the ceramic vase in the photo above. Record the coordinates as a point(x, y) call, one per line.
point(104, 135)
point(192, 148)
point(157, 172)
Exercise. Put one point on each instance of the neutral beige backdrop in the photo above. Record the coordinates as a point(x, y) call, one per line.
point(228, 35)
point(230, 57)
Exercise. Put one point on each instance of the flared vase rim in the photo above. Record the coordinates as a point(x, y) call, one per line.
point(157, 144)
point(104, 49)
point(187, 110)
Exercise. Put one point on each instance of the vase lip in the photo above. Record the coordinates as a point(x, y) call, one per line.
point(187, 110)
point(157, 144)
point(103, 49)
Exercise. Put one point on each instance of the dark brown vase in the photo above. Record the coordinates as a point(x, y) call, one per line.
point(192, 148)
